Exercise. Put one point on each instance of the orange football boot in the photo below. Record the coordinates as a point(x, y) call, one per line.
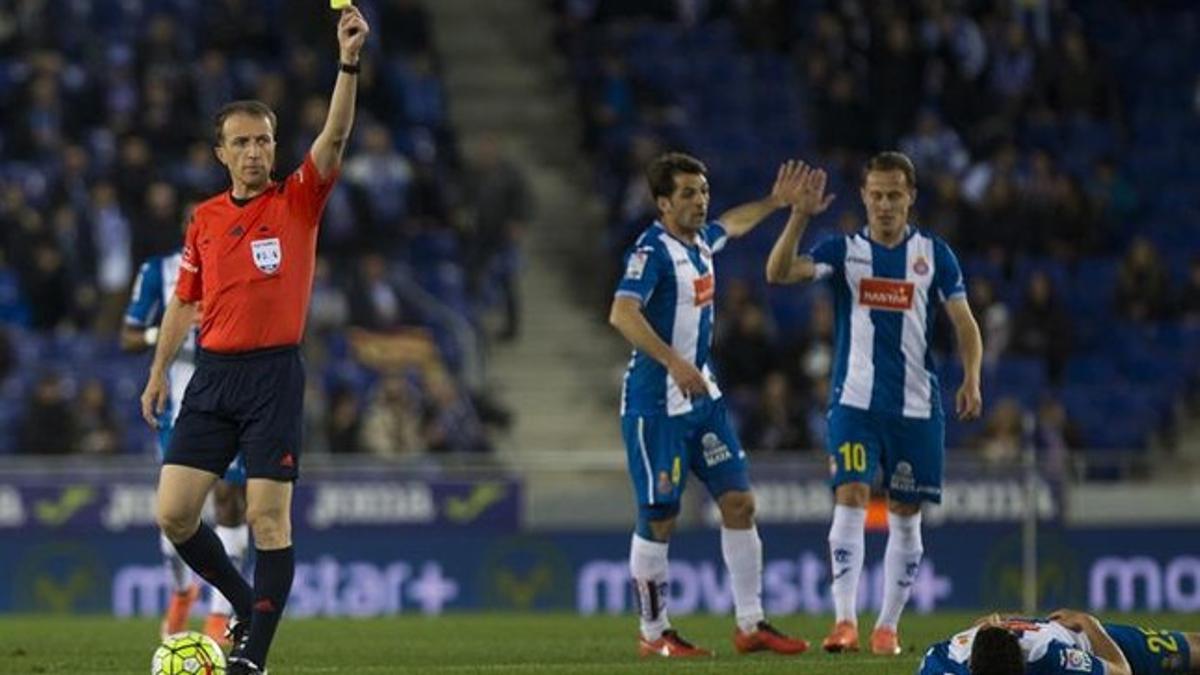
point(178, 610)
point(670, 646)
point(216, 626)
point(885, 641)
point(765, 637)
point(843, 638)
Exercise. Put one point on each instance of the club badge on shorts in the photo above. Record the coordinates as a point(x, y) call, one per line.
point(267, 254)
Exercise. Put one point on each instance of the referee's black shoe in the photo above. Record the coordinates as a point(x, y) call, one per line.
point(240, 666)
point(237, 632)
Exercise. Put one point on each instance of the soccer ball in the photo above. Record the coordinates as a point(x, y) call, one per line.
point(188, 653)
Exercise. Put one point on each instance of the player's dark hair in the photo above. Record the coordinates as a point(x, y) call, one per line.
point(891, 161)
point(244, 107)
point(661, 172)
point(996, 651)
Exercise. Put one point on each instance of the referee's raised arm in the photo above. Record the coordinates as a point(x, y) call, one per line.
point(327, 149)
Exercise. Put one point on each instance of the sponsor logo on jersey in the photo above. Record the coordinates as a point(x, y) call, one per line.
point(888, 294)
point(855, 260)
point(267, 254)
point(921, 266)
point(704, 288)
point(636, 265)
point(715, 450)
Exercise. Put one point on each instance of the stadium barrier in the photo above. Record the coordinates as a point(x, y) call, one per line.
point(373, 542)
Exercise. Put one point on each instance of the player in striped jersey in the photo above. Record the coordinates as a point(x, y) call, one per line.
point(888, 280)
point(153, 288)
point(672, 417)
point(1065, 643)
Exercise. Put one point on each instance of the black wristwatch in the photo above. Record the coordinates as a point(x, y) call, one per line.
point(348, 68)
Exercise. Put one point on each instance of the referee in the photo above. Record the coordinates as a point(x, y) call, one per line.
point(247, 270)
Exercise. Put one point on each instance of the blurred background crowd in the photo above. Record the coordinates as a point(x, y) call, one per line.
point(1048, 138)
point(107, 137)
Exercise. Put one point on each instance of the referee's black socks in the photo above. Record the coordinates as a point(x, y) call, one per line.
point(205, 554)
point(273, 571)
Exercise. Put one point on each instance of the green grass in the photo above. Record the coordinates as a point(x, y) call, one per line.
point(470, 643)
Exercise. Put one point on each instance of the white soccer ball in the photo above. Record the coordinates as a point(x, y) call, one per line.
point(188, 653)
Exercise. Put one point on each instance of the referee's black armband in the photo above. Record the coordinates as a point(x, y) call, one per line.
point(348, 68)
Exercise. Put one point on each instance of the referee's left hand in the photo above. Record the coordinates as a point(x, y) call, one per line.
point(154, 399)
point(352, 33)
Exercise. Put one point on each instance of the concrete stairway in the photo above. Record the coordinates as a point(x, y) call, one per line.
point(504, 78)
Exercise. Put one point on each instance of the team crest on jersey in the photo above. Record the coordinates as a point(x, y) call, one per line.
point(1076, 661)
point(267, 253)
point(889, 294)
point(921, 266)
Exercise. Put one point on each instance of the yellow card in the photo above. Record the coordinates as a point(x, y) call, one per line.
point(340, 4)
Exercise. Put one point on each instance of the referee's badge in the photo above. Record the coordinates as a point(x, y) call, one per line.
point(267, 254)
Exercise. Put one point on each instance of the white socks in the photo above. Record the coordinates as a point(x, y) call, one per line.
point(177, 570)
point(743, 557)
point(846, 544)
point(901, 561)
point(235, 540)
point(648, 567)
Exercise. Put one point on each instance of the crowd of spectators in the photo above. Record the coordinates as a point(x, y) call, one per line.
point(1021, 128)
point(107, 137)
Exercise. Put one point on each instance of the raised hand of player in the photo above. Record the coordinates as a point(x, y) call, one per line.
point(1073, 619)
point(968, 402)
point(352, 33)
point(154, 399)
point(688, 377)
point(801, 187)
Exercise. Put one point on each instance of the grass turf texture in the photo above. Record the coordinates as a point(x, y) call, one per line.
point(470, 643)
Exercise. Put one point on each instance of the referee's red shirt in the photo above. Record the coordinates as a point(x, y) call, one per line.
point(252, 265)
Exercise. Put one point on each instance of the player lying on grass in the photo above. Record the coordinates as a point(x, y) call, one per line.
point(1066, 642)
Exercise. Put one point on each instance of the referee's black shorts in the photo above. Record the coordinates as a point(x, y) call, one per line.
point(250, 402)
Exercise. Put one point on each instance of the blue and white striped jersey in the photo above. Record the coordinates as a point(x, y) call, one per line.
point(1049, 649)
point(885, 301)
point(676, 284)
point(152, 291)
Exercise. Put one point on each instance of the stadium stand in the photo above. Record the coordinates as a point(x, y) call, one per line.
point(1051, 141)
point(107, 135)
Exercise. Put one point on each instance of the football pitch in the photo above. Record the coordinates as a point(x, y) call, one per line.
point(473, 643)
